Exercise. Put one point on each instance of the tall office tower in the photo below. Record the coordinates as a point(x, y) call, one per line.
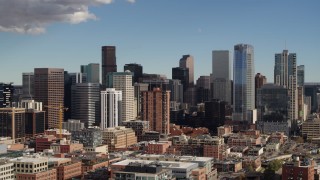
point(272, 108)
point(203, 89)
point(93, 72)
point(136, 69)
point(215, 114)
point(156, 109)
point(181, 74)
point(49, 89)
point(243, 80)
point(28, 85)
point(109, 63)
point(85, 103)
point(12, 122)
point(138, 88)
point(176, 89)
point(69, 80)
point(221, 76)
point(300, 75)
point(187, 62)
point(122, 81)
point(311, 90)
point(285, 74)
point(259, 81)
point(110, 108)
point(302, 107)
point(6, 94)
point(190, 96)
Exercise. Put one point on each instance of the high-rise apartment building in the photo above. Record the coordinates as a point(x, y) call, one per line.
point(28, 85)
point(285, 74)
point(85, 103)
point(243, 82)
point(138, 88)
point(49, 89)
point(137, 71)
point(259, 81)
point(111, 113)
point(6, 94)
point(93, 72)
point(300, 75)
point(122, 81)
point(221, 76)
point(109, 63)
point(187, 62)
point(156, 109)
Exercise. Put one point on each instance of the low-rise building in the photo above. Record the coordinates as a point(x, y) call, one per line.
point(99, 149)
point(6, 169)
point(311, 128)
point(91, 137)
point(139, 127)
point(159, 147)
point(118, 137)
point(298, 170)
point(251, 161)
point(44, 142)
point(255, 151)
point(228, 166)
point(273, 147)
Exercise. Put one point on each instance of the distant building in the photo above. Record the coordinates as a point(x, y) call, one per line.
point(312, 90)
point(140, 127)
point(109, 63)
point(118, 137)
point(156, 109)
point(28, 85)
point(203, 89)
point(215, 114)
point(88, 137)
point(181, 74)
point(6, 95)
point(137, 71)
point(176, 88)
point(12, 123)
point(187, 62)
point(138, 88)
point(259, 80)
point(298, 170)
point(72, 125)
point(311, 128)
point(93, 72)
point(49, 89)
point(300, 75)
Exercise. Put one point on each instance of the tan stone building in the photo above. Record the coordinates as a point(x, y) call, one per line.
point(311, 128)
point(118, 137)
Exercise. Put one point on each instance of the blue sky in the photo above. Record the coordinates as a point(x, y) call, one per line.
point(156, 34)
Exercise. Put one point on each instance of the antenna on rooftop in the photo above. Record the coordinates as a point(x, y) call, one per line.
point(285, 44)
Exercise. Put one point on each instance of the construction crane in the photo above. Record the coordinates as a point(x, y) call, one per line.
point(61, 109)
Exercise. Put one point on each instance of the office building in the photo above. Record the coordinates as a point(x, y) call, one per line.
point(6, 95)
point(12, 123)
point(137, 71)
point(122, 81)
point(302, 107)
point(85, 106)
point(49, 89)
point(73, 125)
point(215, 112)
point(243, 82)
point(118, 137)
point(93, 72)
point(176, 89)
point(311, 128)
point(203, 89)
point(181, 74)
point(156, 109)
point(259, 81)
point(300, 75)
point(109, 63)
point(312, 90)
point(111, 113)
point(7, 169)
point(139, 127)
point(88, 137)
point(138, 88)
point(285, 74)
point(28, 85)
point(187, 62)
point(221, 76)
point(71, 79)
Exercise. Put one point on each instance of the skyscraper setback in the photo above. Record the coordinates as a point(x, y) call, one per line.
point(109, 63)
point(243, 80)
point(49, 89)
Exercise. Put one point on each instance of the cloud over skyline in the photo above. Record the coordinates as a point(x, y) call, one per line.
point(33, 16)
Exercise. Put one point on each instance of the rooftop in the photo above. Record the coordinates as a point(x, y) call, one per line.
point(165, 164)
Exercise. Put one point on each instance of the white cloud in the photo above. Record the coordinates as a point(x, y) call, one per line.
point(32, 16)
point(131, 1)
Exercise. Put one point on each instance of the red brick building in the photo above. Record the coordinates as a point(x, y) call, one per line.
point(297, 170)
point(51, 174)
point(69, 170)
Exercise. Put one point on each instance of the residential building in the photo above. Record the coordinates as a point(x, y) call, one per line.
point(86, 103)
point(111, 112)
point(138, 88)
point(285, 74)
point(93, 72)
point(156, 109)
point(118, 137)
point(49, 89)
point(12, 123)
point(122, 81)
point(243, 82)
point(109, 63)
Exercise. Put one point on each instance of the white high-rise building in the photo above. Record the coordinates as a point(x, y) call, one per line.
point(243, 82)
point(110, 108)
point(285, 74)
point(122, 81)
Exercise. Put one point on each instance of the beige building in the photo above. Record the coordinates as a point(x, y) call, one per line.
point(30, 164)
point(118, 137)
point(99, 149)
point(6, 170)
point(311, 128)
point(156, 110)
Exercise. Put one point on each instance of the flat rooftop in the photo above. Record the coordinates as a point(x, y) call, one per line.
point(165, 164)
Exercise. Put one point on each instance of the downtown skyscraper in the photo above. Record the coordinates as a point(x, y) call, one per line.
point(243, 82)
point(109, 63)
point(285, 74)
point(110, 108)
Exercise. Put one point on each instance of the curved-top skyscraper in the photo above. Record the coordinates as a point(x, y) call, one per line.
point(243, 82)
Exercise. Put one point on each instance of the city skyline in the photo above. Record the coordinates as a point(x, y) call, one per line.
point(153, 38)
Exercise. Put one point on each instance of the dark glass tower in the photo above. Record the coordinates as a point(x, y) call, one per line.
point(181, 74)
point(136, 69)
point(109, 63)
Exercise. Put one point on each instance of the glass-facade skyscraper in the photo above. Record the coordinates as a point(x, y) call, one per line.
point(243, 82)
